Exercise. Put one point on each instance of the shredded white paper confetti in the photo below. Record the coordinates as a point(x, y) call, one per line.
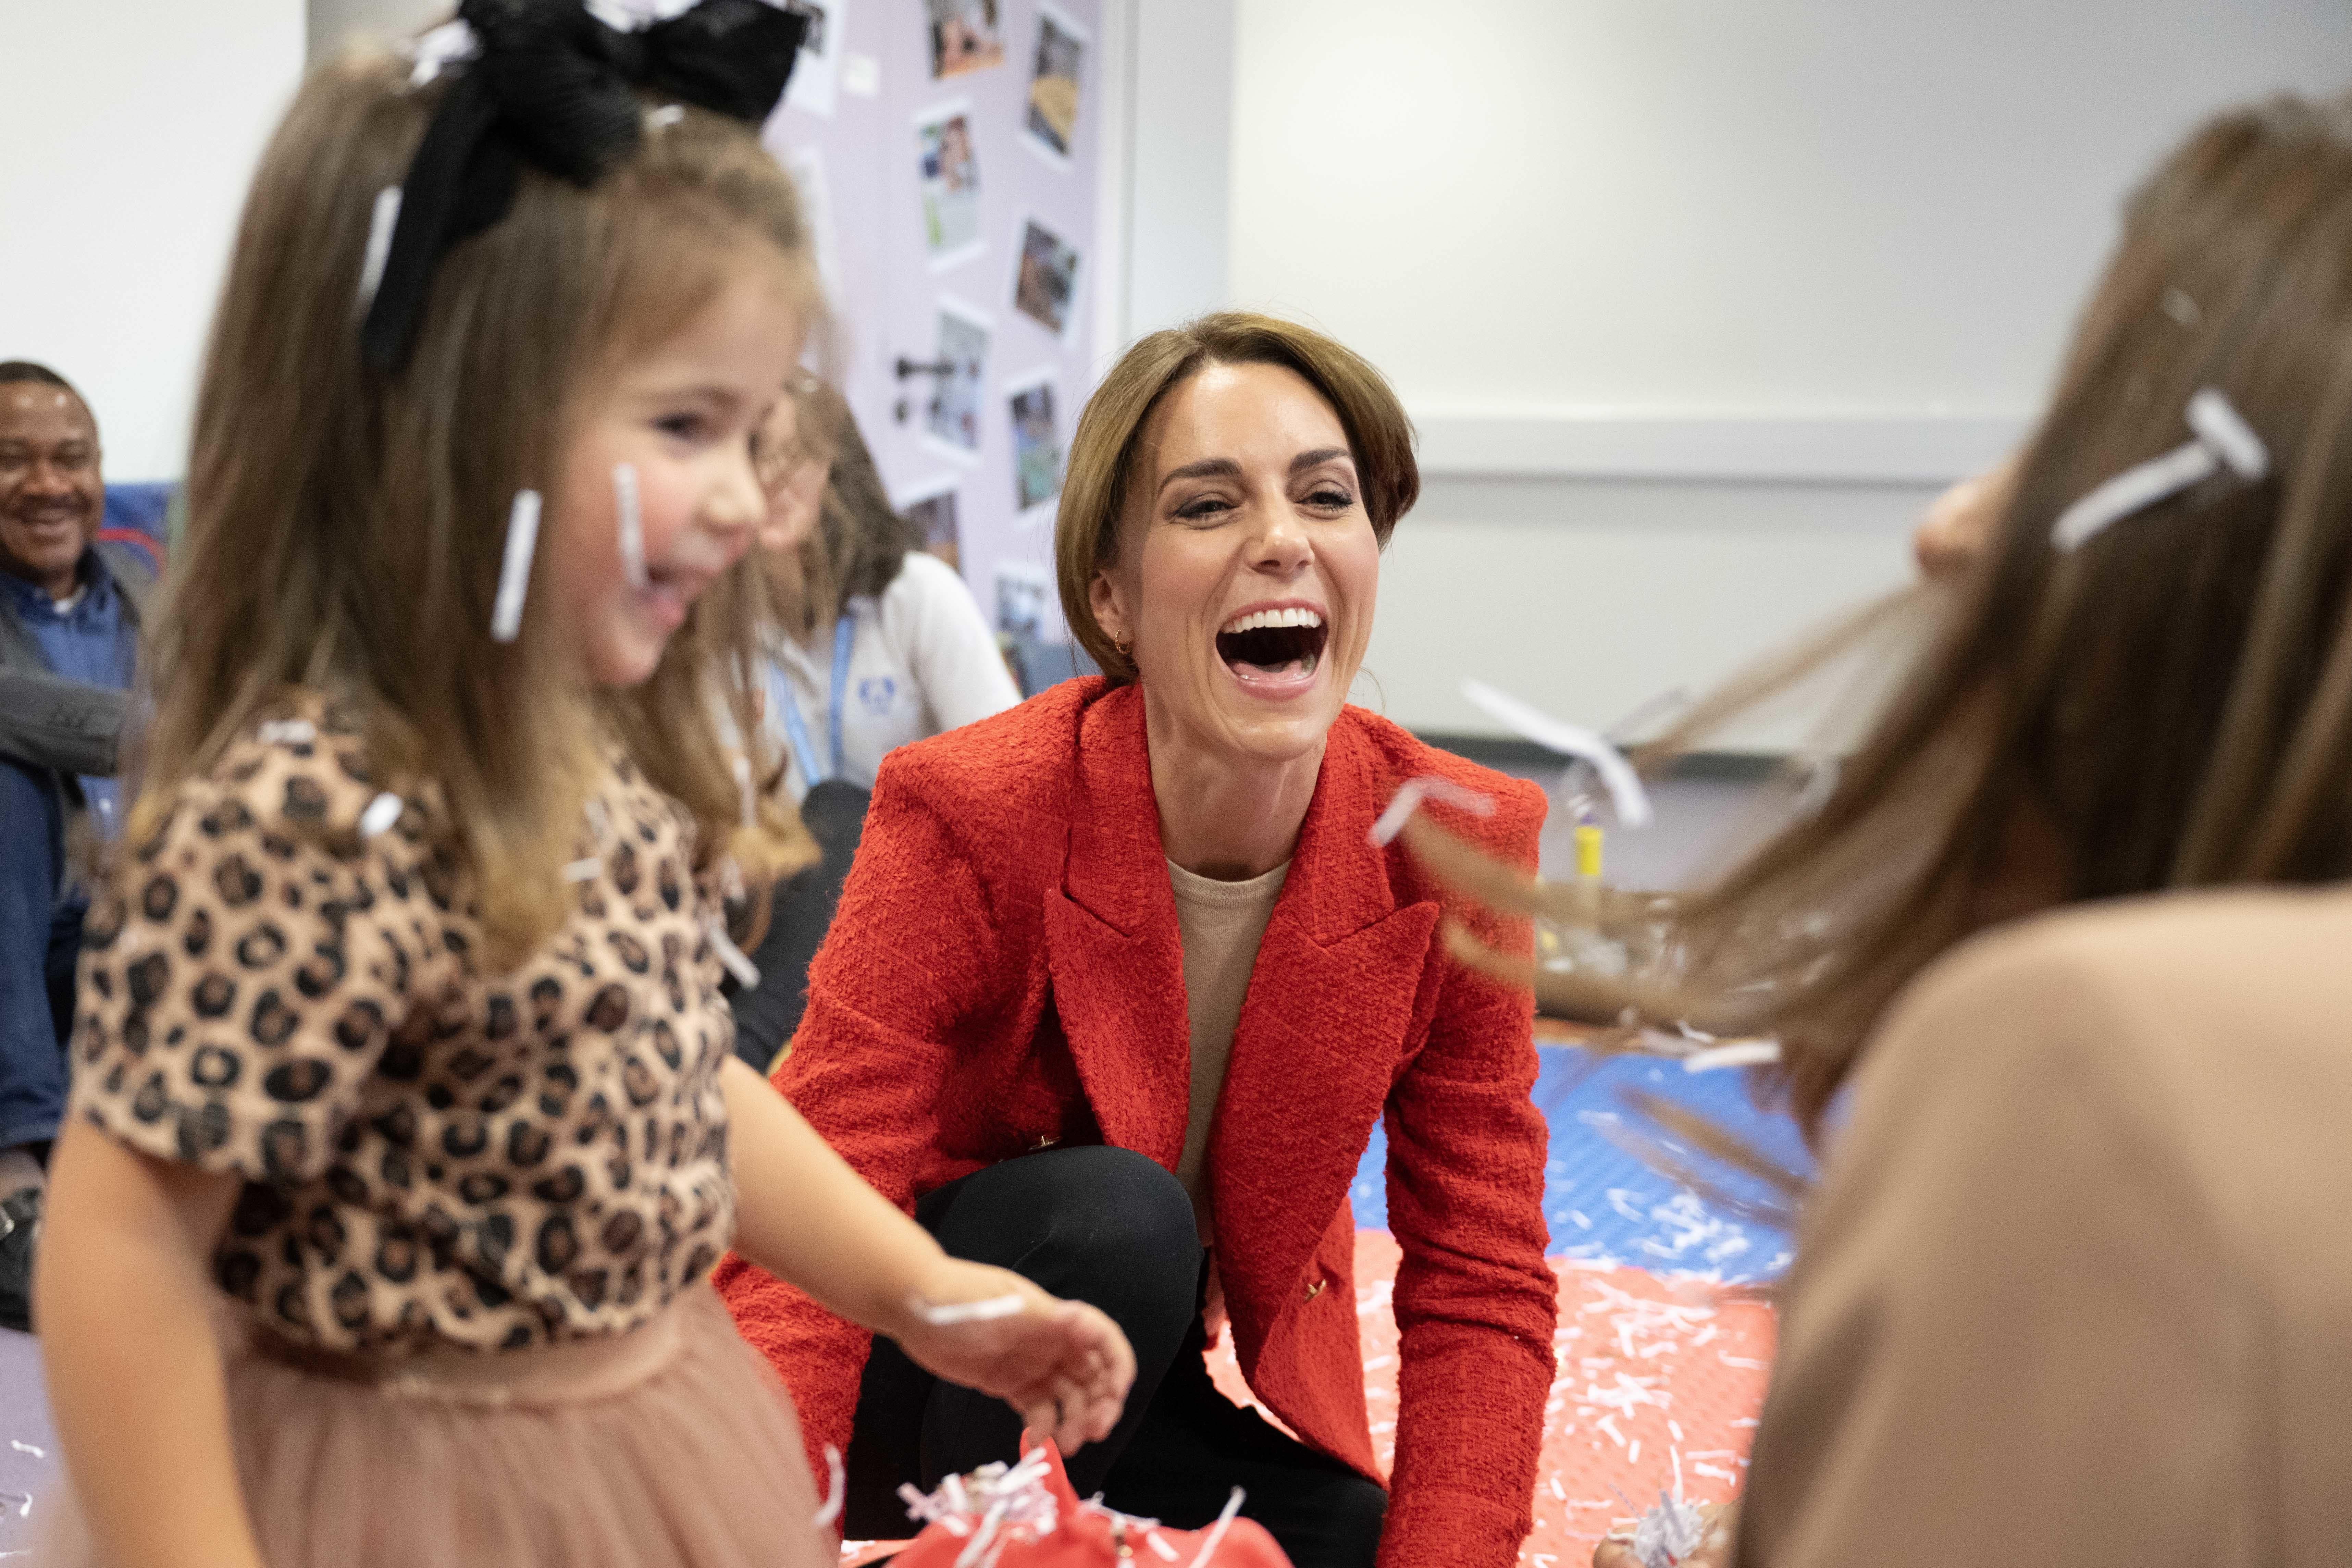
point(632, 524)
point(746, 973)
point(380, 814)
point(1735, 1054)
point(1217, 1532)
point(837, 1491)
point(449, 44)
point(514, 569)
point(2220, 438)
point(1413, 791)
point(1010, 1502)
point(1133, 1524)
point(586, 870)
point(24, 1448)
point(1669, 1532)
point(382, 219)
point(743, 791)
point(662, 118)
point(1626, 795)
point(288, 732)
point(948, 1314)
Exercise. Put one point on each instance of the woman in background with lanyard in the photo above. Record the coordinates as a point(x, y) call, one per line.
point(911, 656)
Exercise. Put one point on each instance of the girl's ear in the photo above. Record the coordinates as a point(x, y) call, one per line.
point(1109, 605)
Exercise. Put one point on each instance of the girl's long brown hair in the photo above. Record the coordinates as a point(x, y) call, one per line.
point(2168, 707)
point(345, 530)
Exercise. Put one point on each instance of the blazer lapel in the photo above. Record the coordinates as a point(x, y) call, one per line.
point(1112, 946)
point(1335, 998)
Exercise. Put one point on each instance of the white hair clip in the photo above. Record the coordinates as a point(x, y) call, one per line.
point(632, 523)
point(451, 43)
point(1408, 799)
point(514, 572)
point(382, 219)
point(2221, 439)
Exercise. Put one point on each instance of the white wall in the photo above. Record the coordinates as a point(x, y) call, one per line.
point(1182, 112)
point(134, 126)
point(332, 25)
point(1696, 303)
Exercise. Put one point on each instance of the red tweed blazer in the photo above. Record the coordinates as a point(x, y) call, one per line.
point(1004, 971)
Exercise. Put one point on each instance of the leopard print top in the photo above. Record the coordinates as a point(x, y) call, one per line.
point(433, 1155)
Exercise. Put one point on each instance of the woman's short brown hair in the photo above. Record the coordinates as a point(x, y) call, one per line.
point(1104, 451)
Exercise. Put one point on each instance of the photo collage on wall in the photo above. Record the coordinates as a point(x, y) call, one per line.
point(973, 46)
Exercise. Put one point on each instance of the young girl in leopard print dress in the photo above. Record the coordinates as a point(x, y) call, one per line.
point(408, 1127)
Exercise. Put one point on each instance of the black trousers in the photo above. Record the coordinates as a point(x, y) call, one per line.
point(1110, 1227)
point(799, 914)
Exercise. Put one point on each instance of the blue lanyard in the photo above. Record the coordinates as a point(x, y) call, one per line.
point(796, 735)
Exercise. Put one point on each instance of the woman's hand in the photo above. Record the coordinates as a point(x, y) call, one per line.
point(1959, 525)
point(1064, 1365)
point(1720, 1522)
point(805, 1217)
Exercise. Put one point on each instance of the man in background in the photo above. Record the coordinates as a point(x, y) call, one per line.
point(70, 613)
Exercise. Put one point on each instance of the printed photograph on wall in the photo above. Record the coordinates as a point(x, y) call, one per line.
point(932, 511)
point(1036, 445)
point(952, 421)
point(816, 72)
point(951, 180)
point(1053, 117)
point(964, 36)
point(1046, 278)
point(1022, 590)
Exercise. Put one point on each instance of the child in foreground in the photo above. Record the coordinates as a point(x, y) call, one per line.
point(407, 1126)
point(2056, 969)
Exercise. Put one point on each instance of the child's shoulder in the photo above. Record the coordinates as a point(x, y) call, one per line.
point(297, 772)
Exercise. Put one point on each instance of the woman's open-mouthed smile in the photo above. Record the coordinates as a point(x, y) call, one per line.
point(1249, 565)
point(1274, 649)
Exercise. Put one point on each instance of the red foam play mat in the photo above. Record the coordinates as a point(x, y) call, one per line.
point(1654, 1373)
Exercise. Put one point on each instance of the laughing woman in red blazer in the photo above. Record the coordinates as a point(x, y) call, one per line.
point(1120, 985)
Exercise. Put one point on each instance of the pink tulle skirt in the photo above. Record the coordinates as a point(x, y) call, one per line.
point(670, 1447)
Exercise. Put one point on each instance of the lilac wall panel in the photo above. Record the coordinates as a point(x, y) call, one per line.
point(947, 150)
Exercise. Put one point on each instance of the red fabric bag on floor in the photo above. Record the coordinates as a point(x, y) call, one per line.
point(1026, 1516)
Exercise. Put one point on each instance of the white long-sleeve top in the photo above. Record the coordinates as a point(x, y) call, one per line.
point(921, 660)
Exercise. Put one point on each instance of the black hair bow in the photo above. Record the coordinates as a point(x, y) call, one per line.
point(553, 86)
